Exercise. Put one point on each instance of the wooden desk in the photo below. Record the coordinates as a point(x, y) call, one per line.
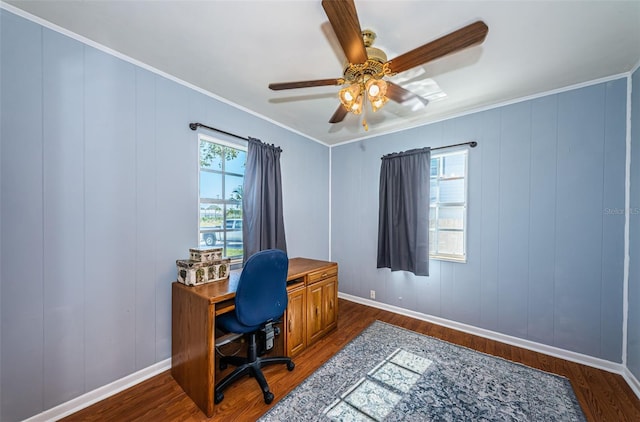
point(193, 360)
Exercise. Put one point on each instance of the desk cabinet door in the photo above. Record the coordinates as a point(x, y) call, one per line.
point(329, 299)
point(321, 308)
point(315, 326)
point(296, 322)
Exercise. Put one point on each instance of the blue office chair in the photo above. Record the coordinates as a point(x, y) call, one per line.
point(261, 298)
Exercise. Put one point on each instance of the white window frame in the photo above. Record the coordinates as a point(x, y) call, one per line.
point(239, 145)
point(438, 206)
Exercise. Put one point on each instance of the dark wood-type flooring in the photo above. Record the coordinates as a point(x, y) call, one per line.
point(603, 396)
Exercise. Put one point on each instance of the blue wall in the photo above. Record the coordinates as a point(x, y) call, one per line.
point(545, 229)
point(633, 330)
point(99, 175)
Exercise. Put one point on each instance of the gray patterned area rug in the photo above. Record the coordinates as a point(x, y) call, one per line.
point(388, 373)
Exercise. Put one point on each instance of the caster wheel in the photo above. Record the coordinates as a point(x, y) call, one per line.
point(290, 366)
point(218, 398)
point(223, 365)
point(268, 397)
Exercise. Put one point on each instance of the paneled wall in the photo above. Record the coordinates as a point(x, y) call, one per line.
point(545, 240)
point(99, 176)
point(633, 325)
point(98, 179)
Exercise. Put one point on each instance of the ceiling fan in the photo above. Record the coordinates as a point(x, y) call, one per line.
point(367, 66)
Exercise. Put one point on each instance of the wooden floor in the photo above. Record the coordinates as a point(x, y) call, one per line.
point(603, 396)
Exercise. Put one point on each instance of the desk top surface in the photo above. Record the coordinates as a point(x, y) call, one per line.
point(222, 290)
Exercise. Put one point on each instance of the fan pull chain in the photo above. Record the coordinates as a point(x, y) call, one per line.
point(365, 125)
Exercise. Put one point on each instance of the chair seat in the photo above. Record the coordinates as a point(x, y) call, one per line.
point(228, 322)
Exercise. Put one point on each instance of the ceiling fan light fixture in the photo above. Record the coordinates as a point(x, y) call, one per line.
point(376, 88)
point(376, 93)
point(378, 103)
point(356, 107)
point(351, 98)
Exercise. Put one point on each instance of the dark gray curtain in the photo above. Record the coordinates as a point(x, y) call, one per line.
point(263, 223)
point(403, 217)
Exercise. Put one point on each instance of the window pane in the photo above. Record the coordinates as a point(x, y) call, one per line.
point(432, 241)
point(210, 185)
point(210, 215)
point(210, 155)
point(451, 243)
point(453, 165)
point(451, 218)
point(233, 248)
point(233, 187)
point(452, 191)
point(433, 191)
point(236, 165)
point(210, 236)
point(434, 167)
point(432, 218)
point(234, 211)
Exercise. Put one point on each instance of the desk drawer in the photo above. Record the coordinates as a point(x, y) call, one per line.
point(322, 274)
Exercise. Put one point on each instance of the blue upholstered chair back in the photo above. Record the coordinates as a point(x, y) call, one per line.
point(262, 289)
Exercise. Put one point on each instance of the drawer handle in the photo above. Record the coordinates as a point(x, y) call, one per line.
point(289, 325)
point(324, 275)
point(331, 304)
point(317, 310)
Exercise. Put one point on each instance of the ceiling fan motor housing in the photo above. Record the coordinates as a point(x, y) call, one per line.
point(373, 67)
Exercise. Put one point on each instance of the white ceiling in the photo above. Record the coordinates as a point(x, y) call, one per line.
point(234, 49)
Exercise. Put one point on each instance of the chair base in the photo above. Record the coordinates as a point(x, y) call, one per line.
point(251, 365)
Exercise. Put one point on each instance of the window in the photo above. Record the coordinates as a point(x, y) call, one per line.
point(222, 167)
point(448, 206)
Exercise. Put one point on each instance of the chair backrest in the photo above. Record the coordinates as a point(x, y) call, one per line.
point(262, 289)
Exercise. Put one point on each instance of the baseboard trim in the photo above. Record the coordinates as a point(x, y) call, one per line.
point(632, 381)
point(503, 338)
point(101, 393)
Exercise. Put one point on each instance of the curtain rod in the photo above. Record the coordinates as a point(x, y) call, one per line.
point(471, 144)
point(194, 126)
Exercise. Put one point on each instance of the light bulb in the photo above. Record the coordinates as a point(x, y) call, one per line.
point(376, 88)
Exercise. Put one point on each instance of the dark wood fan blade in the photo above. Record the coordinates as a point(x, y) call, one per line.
point(455, 41)
point(344, 20)
point(339, 115)
point(304, 84)
point(400, 95)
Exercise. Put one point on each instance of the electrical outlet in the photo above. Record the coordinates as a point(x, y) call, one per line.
point(372, 294)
